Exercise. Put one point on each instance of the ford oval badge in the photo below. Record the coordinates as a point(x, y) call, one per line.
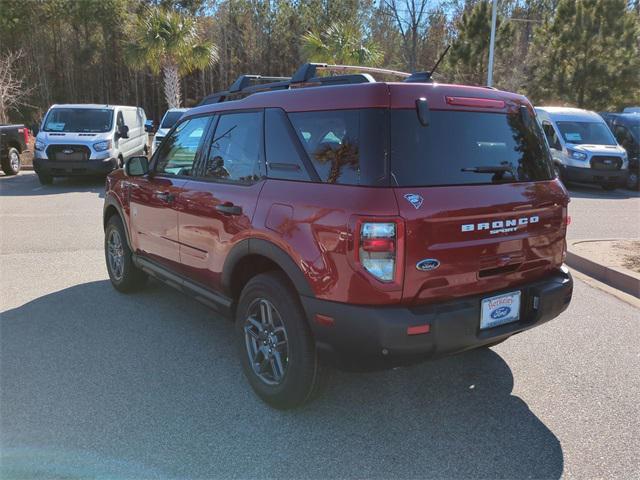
point(427, 264)
point(501, 312)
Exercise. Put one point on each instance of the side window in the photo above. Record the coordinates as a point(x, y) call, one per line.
point(179, 150)
point(552, 138)
point(284, 160)
point(119, 120)
point(236, 149)
point(331, 139)
point(623, 135)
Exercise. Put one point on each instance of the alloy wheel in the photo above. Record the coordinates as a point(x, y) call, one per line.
point(14, 160)
point(115, 252)
point(266, 342)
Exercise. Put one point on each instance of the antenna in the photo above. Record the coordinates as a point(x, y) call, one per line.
point(440, 59)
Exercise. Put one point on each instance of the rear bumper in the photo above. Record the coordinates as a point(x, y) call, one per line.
point(53, 168)
point(364, 337)
point(591, 175)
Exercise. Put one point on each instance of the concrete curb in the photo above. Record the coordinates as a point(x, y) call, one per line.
point(608, 275)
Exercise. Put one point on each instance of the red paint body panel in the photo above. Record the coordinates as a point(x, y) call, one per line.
point(319, 236)
point(206, 235)
point(469, 259)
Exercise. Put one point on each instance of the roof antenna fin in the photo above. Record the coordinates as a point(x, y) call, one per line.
point(425, 77)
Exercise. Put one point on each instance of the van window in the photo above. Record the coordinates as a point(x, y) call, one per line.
point(592, 133)
point(345, 146)
point(178, 151)
point(461, 148)
point(552, 138)
point(236, 149)
point(94, 120)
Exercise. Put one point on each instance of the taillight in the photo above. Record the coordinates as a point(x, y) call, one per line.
point(25, 132)
point(377, 250)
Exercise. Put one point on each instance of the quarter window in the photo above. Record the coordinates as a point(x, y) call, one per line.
point(283, 150)
point(345, 146)
point(179, 150)
point(235, 154)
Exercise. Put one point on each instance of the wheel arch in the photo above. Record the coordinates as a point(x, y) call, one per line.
point(253, 256)
point(112, 207)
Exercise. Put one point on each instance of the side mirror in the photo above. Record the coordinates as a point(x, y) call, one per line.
point(148, 126)
point(123, 132)
point(136, 166)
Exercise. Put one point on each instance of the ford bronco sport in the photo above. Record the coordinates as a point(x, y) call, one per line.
point(339, 219)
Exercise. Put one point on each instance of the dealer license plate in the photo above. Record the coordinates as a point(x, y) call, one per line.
point(499, 310)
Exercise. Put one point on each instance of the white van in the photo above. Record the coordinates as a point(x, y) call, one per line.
point(169, 119)
point(87, 139)
point(583, 147)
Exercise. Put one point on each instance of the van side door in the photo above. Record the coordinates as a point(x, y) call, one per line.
point(218, 203)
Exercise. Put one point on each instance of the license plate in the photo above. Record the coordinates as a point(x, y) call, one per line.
point(499, 310)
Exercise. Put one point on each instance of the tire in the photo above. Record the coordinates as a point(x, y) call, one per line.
point(290, 376)
point(11, 163)
point(633, 182)
point(45, 179)
point(124, 275)
point(608, 187)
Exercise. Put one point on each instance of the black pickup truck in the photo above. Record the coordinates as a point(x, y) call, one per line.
point(13, 141)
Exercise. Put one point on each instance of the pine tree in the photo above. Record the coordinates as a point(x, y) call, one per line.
point(469, 57)
point(587, 55)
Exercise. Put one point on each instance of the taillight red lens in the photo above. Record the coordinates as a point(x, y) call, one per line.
point(378, 244)
point(377, 249)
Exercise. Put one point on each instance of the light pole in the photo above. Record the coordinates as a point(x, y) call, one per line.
point(492, 42)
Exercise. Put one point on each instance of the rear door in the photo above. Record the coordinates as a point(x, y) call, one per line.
point(217, 205)
point(482, 211)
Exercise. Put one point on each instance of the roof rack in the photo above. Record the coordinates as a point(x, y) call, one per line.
point(307, 75)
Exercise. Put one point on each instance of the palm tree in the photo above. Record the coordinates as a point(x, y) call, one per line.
point(341, 43)
point(167, 41)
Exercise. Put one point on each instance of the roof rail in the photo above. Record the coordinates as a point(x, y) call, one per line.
point(308, 71)
point(307, 75)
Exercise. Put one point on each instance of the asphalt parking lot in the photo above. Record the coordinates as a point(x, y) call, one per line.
point(98, 384)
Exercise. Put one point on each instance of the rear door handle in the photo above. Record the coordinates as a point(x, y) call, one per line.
point(166, 196)
point(229, 209)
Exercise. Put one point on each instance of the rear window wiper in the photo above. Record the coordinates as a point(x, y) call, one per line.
point(489, 169)
point(497, 170)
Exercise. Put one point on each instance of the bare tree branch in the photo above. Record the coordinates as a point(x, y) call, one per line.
point(13, 92)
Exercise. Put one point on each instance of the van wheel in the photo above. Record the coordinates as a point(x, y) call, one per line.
point(276, 347)
point(123, 273)
point(45, 179)
point(11, 163)
point(632, 181)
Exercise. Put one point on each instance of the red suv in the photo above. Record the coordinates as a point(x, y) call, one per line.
point(336, 218)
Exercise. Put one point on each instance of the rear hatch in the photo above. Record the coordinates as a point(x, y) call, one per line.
point(482, 210)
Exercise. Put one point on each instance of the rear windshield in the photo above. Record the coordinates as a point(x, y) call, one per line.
point(170, 119)
point(79, 120)
point(461, 148)
point(592, 133)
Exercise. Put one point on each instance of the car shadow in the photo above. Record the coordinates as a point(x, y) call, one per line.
point(94, 383)
point(27, 184)
point(595, 191)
